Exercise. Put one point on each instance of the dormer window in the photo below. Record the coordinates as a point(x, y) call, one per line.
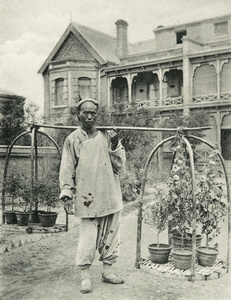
point(179, 36)
point(220, 28)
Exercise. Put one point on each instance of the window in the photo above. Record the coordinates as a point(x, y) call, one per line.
point(84, 85)
point(220, 28)
point(59, 92)
point(179, 36)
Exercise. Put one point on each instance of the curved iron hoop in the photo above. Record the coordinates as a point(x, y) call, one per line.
point(139, 222)
point(8, 157)
point(51, 139)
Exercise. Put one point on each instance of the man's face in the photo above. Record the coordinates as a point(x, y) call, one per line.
point(88, 114)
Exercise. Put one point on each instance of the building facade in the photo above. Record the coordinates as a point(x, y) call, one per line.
point(184, 67)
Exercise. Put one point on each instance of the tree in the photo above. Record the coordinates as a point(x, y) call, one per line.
point(12, 121)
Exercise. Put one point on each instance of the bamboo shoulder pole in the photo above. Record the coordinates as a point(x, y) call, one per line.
point(127, 128)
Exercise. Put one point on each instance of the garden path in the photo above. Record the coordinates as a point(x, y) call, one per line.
point(45, 270)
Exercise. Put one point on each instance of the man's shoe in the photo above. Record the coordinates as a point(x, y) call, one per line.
point(86, 286)
point(112, 278)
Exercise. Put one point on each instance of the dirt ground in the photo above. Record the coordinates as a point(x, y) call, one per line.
point(45, 270)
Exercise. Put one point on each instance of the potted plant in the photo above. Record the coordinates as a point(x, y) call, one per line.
point(24, 194)
point(211, 209)
point(180, 199)
point(49, 197)
point(156, 214)
point(11, 186)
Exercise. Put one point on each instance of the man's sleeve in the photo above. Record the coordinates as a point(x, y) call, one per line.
point(117, 157)
point(68, 166)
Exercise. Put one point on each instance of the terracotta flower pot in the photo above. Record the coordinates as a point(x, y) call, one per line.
point(22, 218)
point(187, 241)
point(48, 219)
point(182, 258)
point(10, 217)
point(35, 216)
point(159, 254)
point(206, 256)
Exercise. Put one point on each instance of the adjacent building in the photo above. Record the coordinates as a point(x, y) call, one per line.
point(184, 67)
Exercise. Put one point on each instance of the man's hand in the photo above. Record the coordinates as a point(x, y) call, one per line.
point(113, 134)
point(68, 205)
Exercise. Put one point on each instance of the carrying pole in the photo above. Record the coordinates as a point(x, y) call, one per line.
point(128, 128)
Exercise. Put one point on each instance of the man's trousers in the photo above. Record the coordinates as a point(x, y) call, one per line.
point(101, 233)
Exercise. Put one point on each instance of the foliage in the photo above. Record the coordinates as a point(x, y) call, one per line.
point(12, 121)
point(47, 191)
point(130, 186)
point(209, 196)
point(210, 199)
point(157, 212)
point(18, 186)
point(12, 186)
point(180, 191)
point(32, 113)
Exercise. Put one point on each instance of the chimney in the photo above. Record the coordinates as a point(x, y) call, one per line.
point(121, 38)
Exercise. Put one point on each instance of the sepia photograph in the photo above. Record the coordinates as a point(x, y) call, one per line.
point(115, 149)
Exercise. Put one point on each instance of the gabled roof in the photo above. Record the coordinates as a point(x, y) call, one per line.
point(102, 46)
point(78, 35)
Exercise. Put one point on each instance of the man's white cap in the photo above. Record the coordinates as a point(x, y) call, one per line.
point(87, 100)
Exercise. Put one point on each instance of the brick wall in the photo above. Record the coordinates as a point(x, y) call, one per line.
point(20, 159)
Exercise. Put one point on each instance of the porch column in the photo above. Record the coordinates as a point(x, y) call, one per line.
point(109, 81)
point(160, 87)
point(187, 70)
point(218, 80)
point(129, 81)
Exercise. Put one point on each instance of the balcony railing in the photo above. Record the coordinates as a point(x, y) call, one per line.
point(173, 101)
point(179, 100)
point(155, 103)
point(226, 96)
point(146, 103)
point(212, 98)
point(205, 98)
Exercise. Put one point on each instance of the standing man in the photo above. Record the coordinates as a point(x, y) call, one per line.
point(91, 161)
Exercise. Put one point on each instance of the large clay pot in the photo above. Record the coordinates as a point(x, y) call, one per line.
point(206, 256)
point(10, 217)
point(182, 258)
point(159, 254)
point(22, 218)
point(47, 219)
point(35, 216)
point(187, 241)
